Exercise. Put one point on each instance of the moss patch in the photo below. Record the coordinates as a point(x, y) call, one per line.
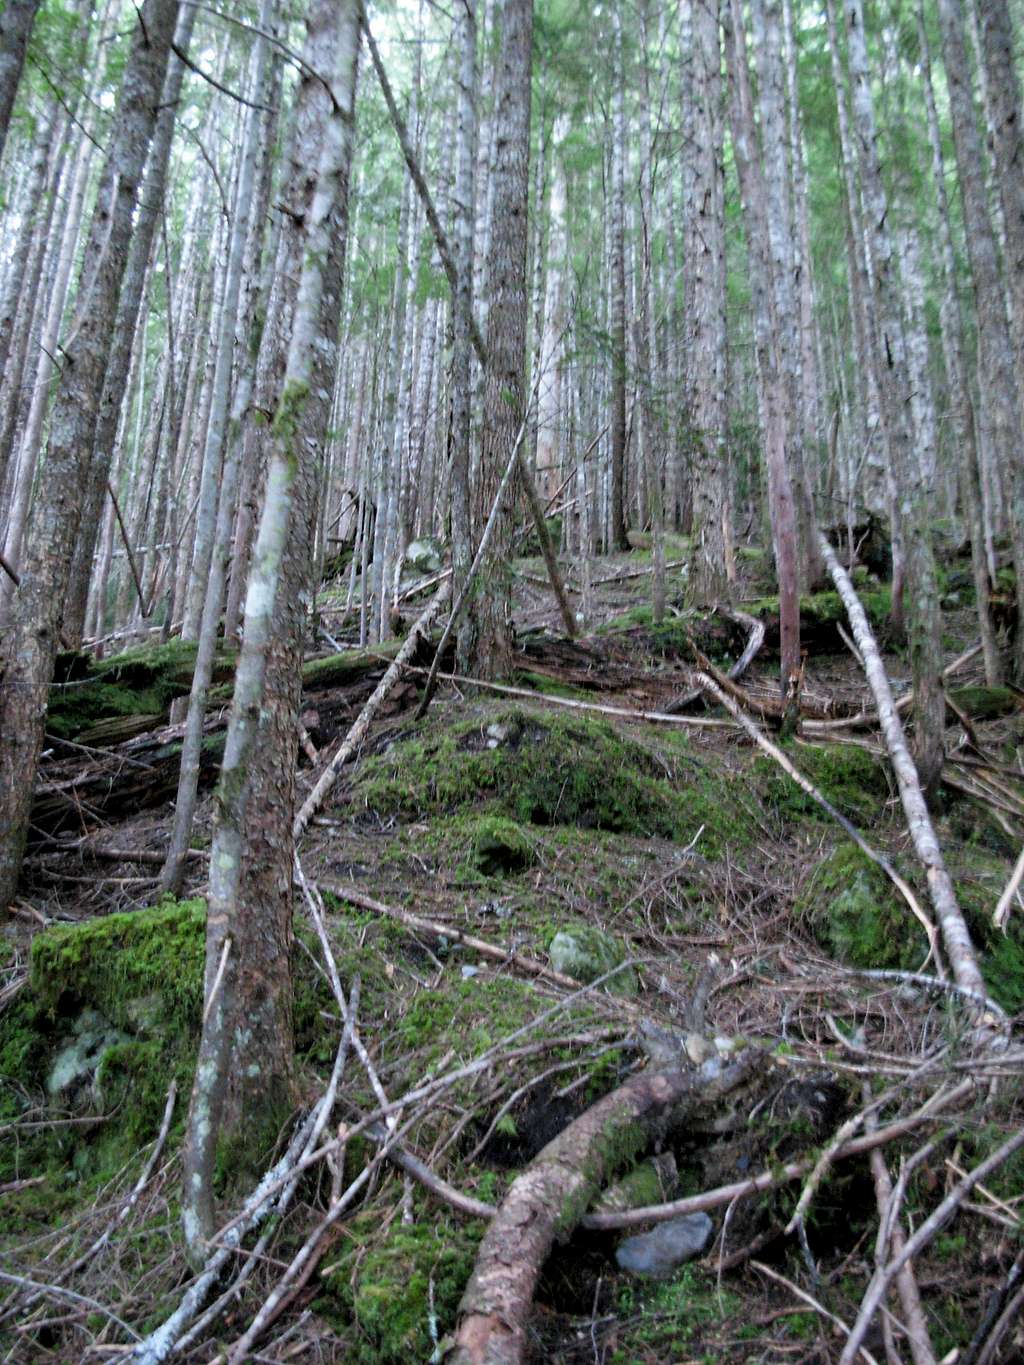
point(401, 1295)
point(855, 782)
point(548, 770)
point(853, 912)
point(142, 971)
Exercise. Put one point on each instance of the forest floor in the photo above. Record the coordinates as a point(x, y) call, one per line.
point(672, 850)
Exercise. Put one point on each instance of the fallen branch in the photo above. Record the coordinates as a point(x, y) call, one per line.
point(771, 1179)
point(811, 1302)
point(916, 1243)
point(960, 950)
point(358, 730)
point(1002, 910)
point(546, 1201)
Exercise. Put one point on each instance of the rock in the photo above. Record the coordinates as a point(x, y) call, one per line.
point(586, 953)
point(656, 1254)
point(425, 555)
point(78, 1060)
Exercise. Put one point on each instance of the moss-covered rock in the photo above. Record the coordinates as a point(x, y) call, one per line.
point(399, 1294)
point(143, 971)
point(854, 914)
point(585, 952)
point(986, 703)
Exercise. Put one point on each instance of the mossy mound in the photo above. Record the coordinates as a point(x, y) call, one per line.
point(500, 847)
point(400, 1294)
point(854, 914)
point(542, 769)
point(143, 971)
point(854, 780)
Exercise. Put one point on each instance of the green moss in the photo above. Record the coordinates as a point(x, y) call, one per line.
point(388, 1290)
point(853, 780)
point(499, 846)
point(138, 682)
point(143, 971)
point(543, 769)
point(824, 607)
point(985, 703)
point(854, 914)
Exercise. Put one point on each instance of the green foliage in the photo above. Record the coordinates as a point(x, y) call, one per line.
point(388, 1288)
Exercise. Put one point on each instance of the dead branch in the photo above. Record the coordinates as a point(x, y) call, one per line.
point(355, 736)
point(925, 1233)
point(546, 1201)
point(1002, 910)
point(770, 1179)
point(812, 1302)
point(956, 936)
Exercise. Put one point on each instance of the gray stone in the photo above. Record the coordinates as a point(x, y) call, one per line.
point(656, 1254)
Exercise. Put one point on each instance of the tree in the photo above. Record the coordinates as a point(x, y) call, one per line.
point(703, 221)
point(16, 20)
point(504, 388)
point(31, 645)
point(244, 1069)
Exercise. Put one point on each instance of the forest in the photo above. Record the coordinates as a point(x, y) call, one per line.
point(512, 681)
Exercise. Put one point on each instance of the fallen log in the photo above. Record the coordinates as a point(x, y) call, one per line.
point(546, 1202)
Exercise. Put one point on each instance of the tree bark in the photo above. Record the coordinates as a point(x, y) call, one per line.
point(16, 20)
point(30, 649)
point(504, 389)
point(245, 1064)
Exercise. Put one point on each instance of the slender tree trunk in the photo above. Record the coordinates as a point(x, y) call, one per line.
point(703, 213)
point(244, 1071)
point(30, 648)
point(617, 264)
point(911, 459)
point(504, 397)
point(767, 328)
point(953, 350)
point(151, 203)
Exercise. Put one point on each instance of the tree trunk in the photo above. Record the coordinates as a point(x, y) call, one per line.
point(504, 397)
point(31, 646)
point(16, 20)
point(703, 214)
point(617, 266)
point(244, 1077)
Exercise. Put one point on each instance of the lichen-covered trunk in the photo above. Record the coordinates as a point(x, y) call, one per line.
point(244, 1075)
point(151, 203)
point(617, 300)
point(173, 871)
point(954, 356)
point(703, 214)
point(911, 459)
point(504, 388)
point(768, 324)
point(1003, 97)
point(31, 644)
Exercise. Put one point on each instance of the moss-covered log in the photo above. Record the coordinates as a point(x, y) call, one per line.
point(547, 1201)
